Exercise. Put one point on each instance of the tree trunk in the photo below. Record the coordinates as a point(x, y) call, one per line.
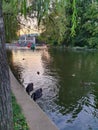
point(6, 121)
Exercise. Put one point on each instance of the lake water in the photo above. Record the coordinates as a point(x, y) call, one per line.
point(69, 81)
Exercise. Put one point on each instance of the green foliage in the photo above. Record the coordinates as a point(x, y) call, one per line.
point(93, 42)
point(87, 28)
point(10, 21)
point(56, 8)
point(11, 27)
point(11, 9)
point(19, 119)
point(44, 10)
point(60, 24)
point(23, 8)
point(71, 22)
point(74, 18)
point(54, 26)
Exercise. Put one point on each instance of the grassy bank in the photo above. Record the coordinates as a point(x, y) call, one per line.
point(18, 117)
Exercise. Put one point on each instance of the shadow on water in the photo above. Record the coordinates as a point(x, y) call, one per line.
point(15, 67)
point(69, 82)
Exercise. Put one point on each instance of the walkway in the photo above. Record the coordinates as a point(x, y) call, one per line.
point(36, 118)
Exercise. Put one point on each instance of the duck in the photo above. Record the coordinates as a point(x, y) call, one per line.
point(36, 94)
point(29, 88)
point(38, 72)
point(73, 75)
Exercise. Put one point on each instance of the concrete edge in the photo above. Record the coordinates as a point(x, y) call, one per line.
point(35, 117)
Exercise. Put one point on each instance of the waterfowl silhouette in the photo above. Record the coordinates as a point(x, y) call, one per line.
point(29, 88)
point(37, 94)
point(38, 72)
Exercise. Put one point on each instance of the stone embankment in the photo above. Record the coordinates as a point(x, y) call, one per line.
point(35, 117)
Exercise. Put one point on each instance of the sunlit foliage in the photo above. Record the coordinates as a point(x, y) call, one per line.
point(42, 9)
point(69, 22)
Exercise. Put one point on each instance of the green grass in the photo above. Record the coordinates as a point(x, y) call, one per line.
point(18, 117)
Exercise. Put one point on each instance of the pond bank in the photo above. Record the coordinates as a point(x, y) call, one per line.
point(74, 48)
point(35, 117)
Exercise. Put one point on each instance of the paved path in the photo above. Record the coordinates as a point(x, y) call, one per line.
point(36, 118)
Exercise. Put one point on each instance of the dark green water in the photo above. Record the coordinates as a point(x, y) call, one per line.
point(69, 81)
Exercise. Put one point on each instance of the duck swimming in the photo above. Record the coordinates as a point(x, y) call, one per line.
point(38, 72)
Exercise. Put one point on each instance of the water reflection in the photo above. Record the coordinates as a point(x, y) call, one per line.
point(69, 102)
point(16, 68)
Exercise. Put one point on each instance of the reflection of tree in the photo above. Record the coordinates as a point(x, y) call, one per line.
point(45, 56)
point(51, 76)
point(16, 68)
point(72, 95)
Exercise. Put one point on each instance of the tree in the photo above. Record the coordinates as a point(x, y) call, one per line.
point(6, 116)
point(61, 20)
point(5, 91)
point(54, 26)
point(49, 12)
point(87, 24)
